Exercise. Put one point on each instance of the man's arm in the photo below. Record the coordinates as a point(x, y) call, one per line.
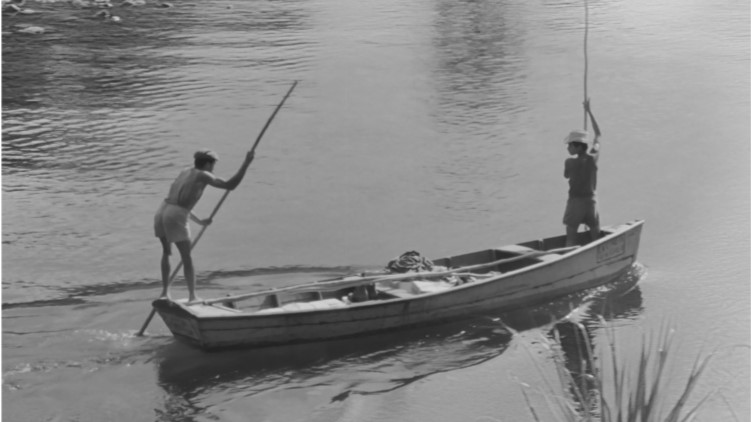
point(233, 181)
point(204, 222)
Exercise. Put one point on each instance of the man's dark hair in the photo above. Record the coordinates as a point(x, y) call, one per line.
point(579, 145)
point(200, 161)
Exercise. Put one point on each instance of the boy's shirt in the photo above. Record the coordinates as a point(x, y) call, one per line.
point(581, 172)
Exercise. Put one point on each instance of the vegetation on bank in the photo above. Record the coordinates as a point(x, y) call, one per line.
point(611, 386)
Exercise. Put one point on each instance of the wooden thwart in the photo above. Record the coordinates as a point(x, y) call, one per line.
point(343, 284)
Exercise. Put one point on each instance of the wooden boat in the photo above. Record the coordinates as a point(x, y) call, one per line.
point(423, 349)
point(497, 279)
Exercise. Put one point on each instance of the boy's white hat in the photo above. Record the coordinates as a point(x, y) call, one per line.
point(577, 136)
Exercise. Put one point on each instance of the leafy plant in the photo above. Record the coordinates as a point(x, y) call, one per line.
point(611, 388)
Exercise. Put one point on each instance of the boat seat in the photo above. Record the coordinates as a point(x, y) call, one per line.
point(422, 287)
point(306, 306)
point(521, 250)
point(397, 292)
point(549, 257)
point(212, 310)
point(517, 249)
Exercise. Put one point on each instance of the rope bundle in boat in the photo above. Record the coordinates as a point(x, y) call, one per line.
point(409, 261)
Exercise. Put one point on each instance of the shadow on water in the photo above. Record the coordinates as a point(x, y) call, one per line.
point(377, 363)
point(478, 58)
point(479, 73)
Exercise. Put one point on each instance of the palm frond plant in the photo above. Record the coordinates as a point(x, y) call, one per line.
point(610, 387)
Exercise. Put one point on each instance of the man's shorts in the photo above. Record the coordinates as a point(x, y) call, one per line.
point(171, 221)
point(581, 211)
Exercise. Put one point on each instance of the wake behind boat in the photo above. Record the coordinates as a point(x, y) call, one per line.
point(497, 279)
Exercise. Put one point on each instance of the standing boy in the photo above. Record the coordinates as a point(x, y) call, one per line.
point(171, 220)
point(581, 172)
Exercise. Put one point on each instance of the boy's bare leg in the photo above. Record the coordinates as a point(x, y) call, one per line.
point(190, 278)
point(571, 235)
point(594, 232)
point(166, 252)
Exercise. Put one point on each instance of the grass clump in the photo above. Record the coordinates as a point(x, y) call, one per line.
point(610, 387)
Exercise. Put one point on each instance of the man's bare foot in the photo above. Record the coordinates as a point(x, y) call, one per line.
point(194, 301)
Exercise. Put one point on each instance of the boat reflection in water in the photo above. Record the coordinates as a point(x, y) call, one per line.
point(575, 332)
point(382, 362)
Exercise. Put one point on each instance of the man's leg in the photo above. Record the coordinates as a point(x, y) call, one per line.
point(571, 235)
point(571, 220)
point(594, 232)
point(184, 247)
point(593, 220)
point(166, 252)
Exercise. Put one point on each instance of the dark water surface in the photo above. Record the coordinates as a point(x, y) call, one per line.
point(431, 125)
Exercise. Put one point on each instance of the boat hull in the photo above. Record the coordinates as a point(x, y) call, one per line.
point(591, 265)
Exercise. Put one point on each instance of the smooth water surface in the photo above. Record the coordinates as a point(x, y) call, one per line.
point(428, 125)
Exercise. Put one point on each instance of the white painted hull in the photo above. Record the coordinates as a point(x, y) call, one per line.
point(591, 265)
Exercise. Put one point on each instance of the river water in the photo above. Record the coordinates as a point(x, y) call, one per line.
point(428, 125)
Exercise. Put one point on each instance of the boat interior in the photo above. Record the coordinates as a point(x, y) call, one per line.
point(349, 290)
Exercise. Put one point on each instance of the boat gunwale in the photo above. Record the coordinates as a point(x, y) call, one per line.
point(210, 347)
point(617, 231)
point(285, 315)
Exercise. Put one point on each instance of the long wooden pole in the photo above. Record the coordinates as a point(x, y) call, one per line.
point(586, 60)
point(219, 204)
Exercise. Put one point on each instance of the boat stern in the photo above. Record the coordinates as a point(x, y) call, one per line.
point(180, 322)
point(624, 243)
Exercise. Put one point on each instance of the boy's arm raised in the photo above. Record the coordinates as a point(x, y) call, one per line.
point(596, 142)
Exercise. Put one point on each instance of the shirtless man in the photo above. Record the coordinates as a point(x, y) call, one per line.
point(171, 219)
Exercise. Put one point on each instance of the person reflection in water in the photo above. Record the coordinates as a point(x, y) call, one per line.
point(581, 172)
point(171, 219)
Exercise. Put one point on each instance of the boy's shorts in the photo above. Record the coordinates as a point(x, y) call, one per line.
point(171, 221)
point(581, 211)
